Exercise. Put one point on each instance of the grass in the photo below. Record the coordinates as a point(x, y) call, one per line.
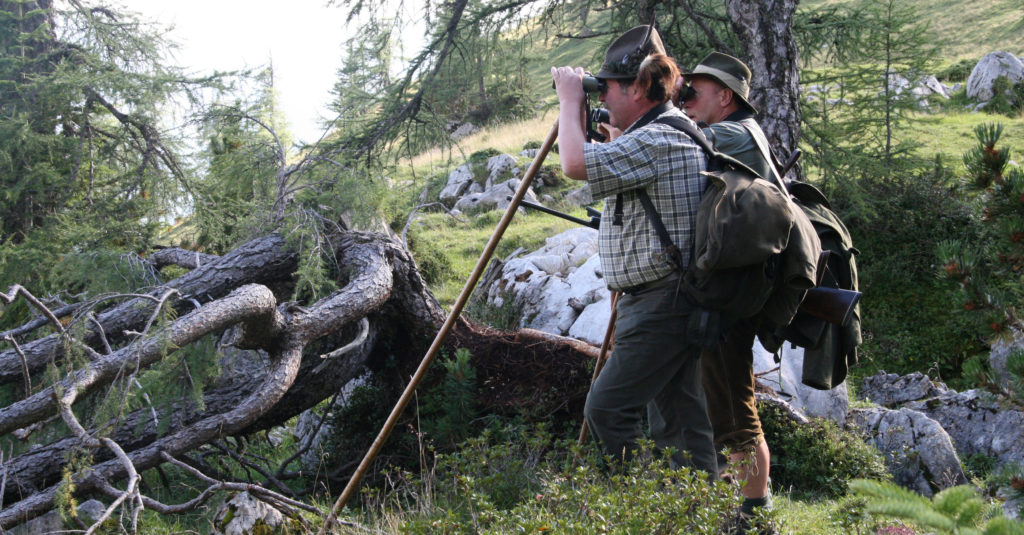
point(462, 243)
point(508, 137)
point(951, 134)
point(963, 30)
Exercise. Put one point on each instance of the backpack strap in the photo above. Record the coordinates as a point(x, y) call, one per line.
point(761, 141)
point(674, 254)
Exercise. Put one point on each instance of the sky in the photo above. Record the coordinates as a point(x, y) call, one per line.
point(304, 39)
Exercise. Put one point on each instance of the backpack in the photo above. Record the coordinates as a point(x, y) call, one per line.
point(751, 252)
point(829, 349)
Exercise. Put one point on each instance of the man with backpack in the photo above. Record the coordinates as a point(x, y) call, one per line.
point(718, 102)
point(653, 361)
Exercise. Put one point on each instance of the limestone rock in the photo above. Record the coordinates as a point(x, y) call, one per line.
point(978, 423)
point(891, 390)
point(918, 451)
point(786, 381)
point(990, 67)
point(501, 168)
point(556, 284)
point(463, 130)
point(580, 196)
point(459, 181)
point(494, 197)
point(243, 515)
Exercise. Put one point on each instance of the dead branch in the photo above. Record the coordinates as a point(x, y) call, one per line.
point(242, 304)
point(264, 260)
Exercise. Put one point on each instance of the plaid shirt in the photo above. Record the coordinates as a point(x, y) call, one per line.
point(667, 163)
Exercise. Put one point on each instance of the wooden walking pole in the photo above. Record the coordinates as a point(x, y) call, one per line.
point(453, 315)
point(609, 335)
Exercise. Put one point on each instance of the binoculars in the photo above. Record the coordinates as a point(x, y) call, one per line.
point(591, 85)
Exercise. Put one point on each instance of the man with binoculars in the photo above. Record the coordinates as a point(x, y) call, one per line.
point(653, 364)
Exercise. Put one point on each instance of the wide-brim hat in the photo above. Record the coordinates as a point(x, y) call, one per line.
point(728, 71)
point(626, 53)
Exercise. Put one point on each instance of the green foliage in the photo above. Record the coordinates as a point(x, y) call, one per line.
point(505, 317)
point(432, 263)
point(956, 510)
point(516, 481)
point(987, 268)
point(450, 407)
point(819, 458)
point(851, 119)
point(1007, 97)
point(81, 93)
point(179, 377)
point(957, 72)
point(896, 226)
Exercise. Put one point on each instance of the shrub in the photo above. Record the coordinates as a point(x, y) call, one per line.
point(957, 72)
point(521, 481)
point(1007, 97)
point(816, 459)
point(478, 163)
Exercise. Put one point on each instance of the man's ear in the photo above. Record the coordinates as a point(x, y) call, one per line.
point(726, 97)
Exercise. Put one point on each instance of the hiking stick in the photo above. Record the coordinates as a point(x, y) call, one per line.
point(378, 443)
point(609, 335)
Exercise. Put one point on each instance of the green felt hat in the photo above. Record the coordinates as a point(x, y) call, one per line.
point(728, 71)
point(625, 55)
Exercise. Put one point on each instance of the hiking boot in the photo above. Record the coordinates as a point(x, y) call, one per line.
point(743, 524)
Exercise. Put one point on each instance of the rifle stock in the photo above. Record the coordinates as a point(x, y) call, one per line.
point(833, 305)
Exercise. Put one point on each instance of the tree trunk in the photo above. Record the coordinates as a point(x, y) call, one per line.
point(383, 287)
point(765, 31)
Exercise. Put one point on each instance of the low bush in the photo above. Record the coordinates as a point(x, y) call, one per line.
point(523, 481)
point(817, 459)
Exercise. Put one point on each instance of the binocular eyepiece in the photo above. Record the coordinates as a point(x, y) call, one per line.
point(591, 85)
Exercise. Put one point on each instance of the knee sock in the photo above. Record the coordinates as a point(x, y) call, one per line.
point(747, 508)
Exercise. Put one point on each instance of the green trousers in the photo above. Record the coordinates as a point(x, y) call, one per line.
point(653, 364)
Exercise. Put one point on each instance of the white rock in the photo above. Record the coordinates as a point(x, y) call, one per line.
point(990, 67)
point(246, 514)
point(978, 423)
point(459, 181)
point(88, 512)
point(1000, 353)
point(464, 130)
point(918, 451)
point(890, 390)
point(832, 404)
point(501, 168)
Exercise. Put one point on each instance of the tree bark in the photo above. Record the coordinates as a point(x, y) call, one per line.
point(765, 31)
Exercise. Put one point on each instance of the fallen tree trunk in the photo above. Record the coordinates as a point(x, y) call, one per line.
point(380, 284)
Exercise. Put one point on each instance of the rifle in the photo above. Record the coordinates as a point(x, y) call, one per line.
point(595, 216)
point(834, 305)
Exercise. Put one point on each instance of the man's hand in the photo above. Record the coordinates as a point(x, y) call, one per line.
point(568, 85)
point(571, 120)
point(609, 131)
